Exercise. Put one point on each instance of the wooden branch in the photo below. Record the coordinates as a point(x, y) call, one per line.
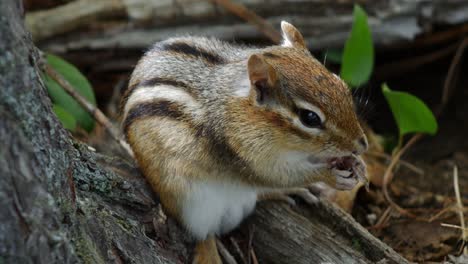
point(324, 24)
point(314, 234)
point(65, 18)
point(249, 16)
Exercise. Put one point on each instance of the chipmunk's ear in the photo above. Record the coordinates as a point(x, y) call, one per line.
point(262, 77)
point(292, 37)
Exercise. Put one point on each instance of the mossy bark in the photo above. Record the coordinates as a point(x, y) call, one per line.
point(60, 202)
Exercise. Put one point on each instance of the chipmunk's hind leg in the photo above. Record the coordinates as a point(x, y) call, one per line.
point(206, 252)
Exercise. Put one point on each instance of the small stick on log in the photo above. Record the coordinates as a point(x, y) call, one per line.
point(251, 17)
point(97, 114)
point(453, 226)
point(254, 257)
point(225, 253)
point(238, 250)
point(70, 16)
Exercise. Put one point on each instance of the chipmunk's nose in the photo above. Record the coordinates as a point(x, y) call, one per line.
point(361, 145)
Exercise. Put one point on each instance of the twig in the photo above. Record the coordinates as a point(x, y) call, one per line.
point(441, 212)
point(254, 257)
point(243, 12)
point(387, 70)
point(238, 250)
point(408, 165)
point(460, 208)
point(383, 218)
point(67, 17)
point(225, 253)
point(432, 38)
point(90, 108)
point(450, 79)
point(388, 176)
point(453, 226)
point(250, 250)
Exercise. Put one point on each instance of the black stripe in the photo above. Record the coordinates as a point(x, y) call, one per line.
point(271, 55)
point(157, 80)
point(153, 108)
point(154, 82)
point(180, 47)
point(219, 148)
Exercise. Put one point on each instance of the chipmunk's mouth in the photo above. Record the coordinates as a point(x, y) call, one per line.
point(343, 165)
point(348, 169)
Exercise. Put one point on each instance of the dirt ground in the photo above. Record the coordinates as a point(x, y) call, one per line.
point(429, 195)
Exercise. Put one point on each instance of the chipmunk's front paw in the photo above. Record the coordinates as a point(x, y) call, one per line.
point(349, 171)
point(283, 195)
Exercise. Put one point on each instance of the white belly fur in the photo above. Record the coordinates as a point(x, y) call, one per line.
point(216, 208)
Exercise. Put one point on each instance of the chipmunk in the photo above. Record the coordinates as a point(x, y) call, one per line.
point(215, 126)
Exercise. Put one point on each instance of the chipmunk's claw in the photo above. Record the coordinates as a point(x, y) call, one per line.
point(284, 195)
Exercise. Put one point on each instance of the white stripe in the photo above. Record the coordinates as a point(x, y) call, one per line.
point(308, 106)
point(242, 86)
point(166, 92)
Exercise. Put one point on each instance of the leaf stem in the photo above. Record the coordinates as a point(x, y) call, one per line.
point(90, 108)
point(388, 176)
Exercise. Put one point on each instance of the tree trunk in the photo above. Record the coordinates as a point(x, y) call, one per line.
point(64, 203)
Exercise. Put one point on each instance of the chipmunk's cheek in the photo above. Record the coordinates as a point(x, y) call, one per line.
point(314, 160)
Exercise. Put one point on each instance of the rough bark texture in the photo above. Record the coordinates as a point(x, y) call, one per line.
point(136, 24)
point(60, 202)
point(322, 233)
point(63, 203)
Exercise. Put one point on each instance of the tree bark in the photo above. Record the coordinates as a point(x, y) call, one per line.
point(64, 203)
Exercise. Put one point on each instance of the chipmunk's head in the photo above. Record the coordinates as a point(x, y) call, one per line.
point(304, 115)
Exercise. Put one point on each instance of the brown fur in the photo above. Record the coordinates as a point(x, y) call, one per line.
point(206, 252)
point(210, 133)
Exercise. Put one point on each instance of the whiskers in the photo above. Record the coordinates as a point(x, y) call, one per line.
point(325, 58)
point(362, 100)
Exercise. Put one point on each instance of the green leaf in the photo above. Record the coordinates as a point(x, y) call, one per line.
point(358, 56)
point(410, 113)
point(62, 99)
point(67, 120)
point(334, 55)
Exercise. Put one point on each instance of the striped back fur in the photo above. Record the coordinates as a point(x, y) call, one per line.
point(191, 108)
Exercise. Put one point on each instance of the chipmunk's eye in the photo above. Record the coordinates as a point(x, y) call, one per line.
point(310, 118)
